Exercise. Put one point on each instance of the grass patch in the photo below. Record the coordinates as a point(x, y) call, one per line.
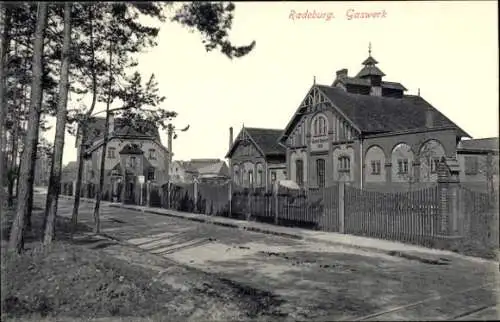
point(74, 281)
point(82, 279)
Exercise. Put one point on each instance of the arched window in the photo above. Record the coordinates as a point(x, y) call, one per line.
point(402, 160)
point(260, 175)
point(299, 175)
point(430, 155)
point(320, 125)
point(250, 178)
point(236, 174)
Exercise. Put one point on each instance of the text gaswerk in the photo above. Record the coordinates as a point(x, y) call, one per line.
point(350, 14)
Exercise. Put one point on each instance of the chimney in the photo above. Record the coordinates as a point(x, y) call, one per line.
point(429, 118)
point(342, 74)
point(230, 137)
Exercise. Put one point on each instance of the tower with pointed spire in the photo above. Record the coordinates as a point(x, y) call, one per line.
point(368, 81)
point(370, 71)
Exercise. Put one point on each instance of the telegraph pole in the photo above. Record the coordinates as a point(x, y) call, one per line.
point(171, 136)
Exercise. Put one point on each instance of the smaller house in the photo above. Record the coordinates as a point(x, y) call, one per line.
point(69, 172)
point(178, 172)
point(478, 159)
point(256, 159)
point(204, 170)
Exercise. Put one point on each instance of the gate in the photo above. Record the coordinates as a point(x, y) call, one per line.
point(329, 221)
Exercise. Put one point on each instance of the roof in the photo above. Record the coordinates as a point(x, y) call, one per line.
point(96, 129)
point(194, 165)
point(366, 82)
point(370, 61)
point(205, 167)
point(214, 169)
point(378, 114)
point(121, 127)
point(370, 70)
point(267, 140)
point(484, 144)
point(393, 85)
point(131, 149)
point(71, 165)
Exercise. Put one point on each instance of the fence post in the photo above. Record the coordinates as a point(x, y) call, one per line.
point(169, 195)
point(275, 191)
point(230, 189)
point(148, 194)
point(249, 196)
point(195, 192)
point(341, 209)
point(448, 183)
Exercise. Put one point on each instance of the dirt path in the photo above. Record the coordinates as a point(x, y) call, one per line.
point(301, 280)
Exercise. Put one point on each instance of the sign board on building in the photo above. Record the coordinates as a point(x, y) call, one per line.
point(140, 179)
point(319, 143)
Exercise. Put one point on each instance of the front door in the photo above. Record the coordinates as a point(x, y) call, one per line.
point(130, 193)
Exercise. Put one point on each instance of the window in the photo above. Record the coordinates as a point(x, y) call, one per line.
point(320, 172)
point(375, 167)
point(299, 172)
point(344, 164)
point(433, 162)
point(151, 174)
point(111, 153)
point(132, 162)
point(152, 154)
point(402, 166)
point(236, 174)
point(259, 177)
point(320, 126)
point(250, 177)
point(471, 165)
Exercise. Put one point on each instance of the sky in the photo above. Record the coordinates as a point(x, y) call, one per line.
point(447, 49)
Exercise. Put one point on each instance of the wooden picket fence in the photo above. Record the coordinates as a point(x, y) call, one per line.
point(480, 223)
point(414, 216)
point(410, 216)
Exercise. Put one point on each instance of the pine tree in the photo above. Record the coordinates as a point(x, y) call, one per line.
point(56, 164)
point(26, 176)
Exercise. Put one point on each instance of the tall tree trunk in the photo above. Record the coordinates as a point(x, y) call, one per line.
point(22, 125)
point(4, 25)
point(18, 170)
point(76, 204)
point(55, 169)
point(12, 168)
point(85, 124)
point(16, 240)
point(104, 144)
